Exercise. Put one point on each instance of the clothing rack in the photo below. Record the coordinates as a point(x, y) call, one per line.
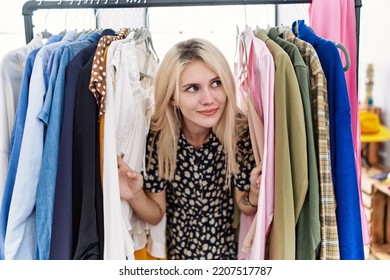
point(30, 6)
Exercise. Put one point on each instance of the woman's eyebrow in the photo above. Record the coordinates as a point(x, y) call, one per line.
point(189, 85)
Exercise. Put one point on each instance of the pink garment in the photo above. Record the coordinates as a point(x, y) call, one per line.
point(342, 29)
point(256, 88)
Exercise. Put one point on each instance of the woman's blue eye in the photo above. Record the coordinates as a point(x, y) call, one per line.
point(192, 89)
point(216, 84)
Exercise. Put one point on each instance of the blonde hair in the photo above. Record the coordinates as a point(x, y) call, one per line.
point(166, 120)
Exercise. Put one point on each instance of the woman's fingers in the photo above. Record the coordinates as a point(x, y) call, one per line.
point(133, 175)
point(256, 177)
point(120, 161)
point(122, 166)
point(257, 170)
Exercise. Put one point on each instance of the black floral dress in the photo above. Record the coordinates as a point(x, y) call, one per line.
point(199, 205)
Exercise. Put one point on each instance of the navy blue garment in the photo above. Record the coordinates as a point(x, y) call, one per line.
point(87, 192)
point(61, 247)
point(344, 174)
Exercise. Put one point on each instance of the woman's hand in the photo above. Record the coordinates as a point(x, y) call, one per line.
point(255, 182)
point(130, 181)
point(247, 200)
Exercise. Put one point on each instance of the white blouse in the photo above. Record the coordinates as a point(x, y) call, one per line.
point(126, 124)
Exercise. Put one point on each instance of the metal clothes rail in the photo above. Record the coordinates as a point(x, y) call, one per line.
point(30, 6)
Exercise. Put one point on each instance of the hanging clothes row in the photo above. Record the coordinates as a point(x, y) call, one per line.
point(61, 197)
point(55, 204)
point(292, 81)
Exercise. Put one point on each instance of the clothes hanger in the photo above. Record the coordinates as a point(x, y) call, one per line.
point(343, 49)
point(282, 28)
point(66, 24)
point(346, 54)
point(149, 43)
point(268, 28)
point(46, 34)
point(143, 35)
point(240, 43)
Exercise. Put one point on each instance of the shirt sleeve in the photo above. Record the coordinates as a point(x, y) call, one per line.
point(151, 181)
point(246, 162)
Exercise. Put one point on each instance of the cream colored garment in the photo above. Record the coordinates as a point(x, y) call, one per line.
point(11, 73)
point(117, 244)
point(127, 117)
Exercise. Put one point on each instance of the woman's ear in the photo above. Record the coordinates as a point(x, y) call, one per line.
point(172, 102)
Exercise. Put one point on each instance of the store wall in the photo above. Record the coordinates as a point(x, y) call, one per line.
point(374, 48)
point(169, 25)
point(11, 26)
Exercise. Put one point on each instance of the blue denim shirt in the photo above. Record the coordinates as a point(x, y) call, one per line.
point(20, 238)
point(49, 66)
point(16, 141)
point(51, 116)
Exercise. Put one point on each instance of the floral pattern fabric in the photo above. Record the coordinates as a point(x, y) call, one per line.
point(199, 205)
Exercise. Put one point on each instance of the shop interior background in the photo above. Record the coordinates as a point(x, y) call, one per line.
point(219, 24)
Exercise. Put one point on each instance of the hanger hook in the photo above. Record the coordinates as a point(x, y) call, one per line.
point(59, 3)
point(66, 18)
point(246, 19)
point(121, 17)
point(47, 14)
point(347, 57)
point(95, 14)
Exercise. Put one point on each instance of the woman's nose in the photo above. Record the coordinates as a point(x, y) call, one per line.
point(206, 97)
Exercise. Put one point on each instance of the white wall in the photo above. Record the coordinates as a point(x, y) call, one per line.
point(374, 48)
point(12, 33)
point(11, 25)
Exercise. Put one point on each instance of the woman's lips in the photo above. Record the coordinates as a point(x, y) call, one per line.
point(208, 112)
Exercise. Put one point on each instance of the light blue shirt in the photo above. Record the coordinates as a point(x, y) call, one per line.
point(16, 141)
point(49, 66)
point(20, 239)
point(51, 116)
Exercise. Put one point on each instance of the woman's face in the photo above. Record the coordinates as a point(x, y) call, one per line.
point(202, 97)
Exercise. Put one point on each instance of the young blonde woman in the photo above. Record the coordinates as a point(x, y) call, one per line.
point(199, 157)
